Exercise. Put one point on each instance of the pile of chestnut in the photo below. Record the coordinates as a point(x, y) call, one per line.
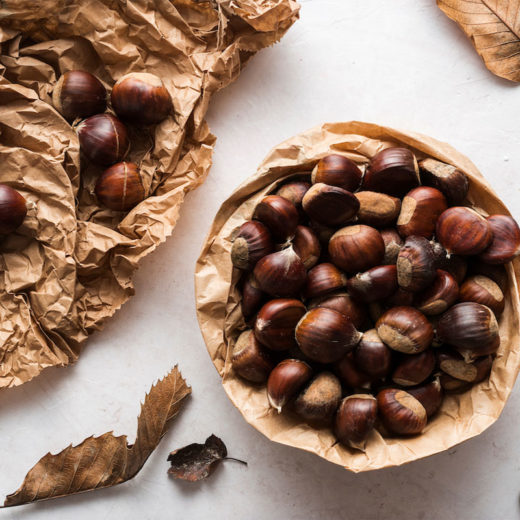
point(370, 294)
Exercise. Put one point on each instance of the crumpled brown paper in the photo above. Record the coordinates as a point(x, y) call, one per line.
point(70, 266)
point(218, 304)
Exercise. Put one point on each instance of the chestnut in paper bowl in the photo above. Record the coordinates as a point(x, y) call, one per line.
point(391, 412)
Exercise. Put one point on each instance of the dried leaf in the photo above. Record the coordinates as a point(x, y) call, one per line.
point(107, 460)
point(494, 29)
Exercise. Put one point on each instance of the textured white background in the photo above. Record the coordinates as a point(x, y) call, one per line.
point(400, 63)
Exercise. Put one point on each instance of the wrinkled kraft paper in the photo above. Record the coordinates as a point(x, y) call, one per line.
point(218, 304)
point(70, 266)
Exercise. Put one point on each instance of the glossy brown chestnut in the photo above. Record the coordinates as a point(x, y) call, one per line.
point(505, 245)
point(294, 192)
point(285, 381)
point(343, 303)
point(415, 264)
point(350, 375)
point(337, 170)
point(279, 215)
point(413, 370)
point(453, 364)
point(356, 248)
point(252, 297)
point(276, 322)
point(13, 209)
point(307, 246)
point(330, 205)
point(375, 284)
point(251, 241)
point(400, 412)
point(372, 356)
point(393, 243)
point(103, 139)
point(451, 181)
point(79, 94)
point(484, 290)
point(441, 295)
point(496, 272)
point(322, 280)
point(326, 335)
point(457, 266)
point(405, 329)
point(141, 98)
point(430, 395)
point(420, 210)
point(250, 361)
point(355, 418)
point(319, 400)
point(119, 187)
point(280, 274)
point(452, 384)
point(462, 231)
point(393, 171)
point(377, 209)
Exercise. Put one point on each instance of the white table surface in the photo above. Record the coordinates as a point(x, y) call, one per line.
point(401, 63)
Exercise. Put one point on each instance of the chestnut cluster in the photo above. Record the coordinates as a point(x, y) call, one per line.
point(137, 98)
point(368, 295)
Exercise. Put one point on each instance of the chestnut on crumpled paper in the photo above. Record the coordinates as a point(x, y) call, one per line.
point(218, 304)
point(70, 266)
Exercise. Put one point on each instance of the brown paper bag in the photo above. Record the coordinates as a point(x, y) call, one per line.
point(70, 266)
point(218, 304)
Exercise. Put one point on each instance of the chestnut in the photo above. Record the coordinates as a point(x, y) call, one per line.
point(415, 264)
point(343, 303)
point(399, 298)
point(294, 192)
point(285, 381)
point(249, 359)
point(452, 384)
point(457, 266)
point(372, 356)
point(420, 210)
point(355, 419)
point(356, 248)
point(325, 335)
point(276, 322)
point(281, 273)
point(13, 209)
point(251, 241)
point(405, 329)
point(350, 375)
point(400, 412)
point(451, 181)
point(430, 395)
point(279, 215)
point(337, 170)
point(393, 243)
point(330, 205)
point(505, 245)
point(441, 295)
point(252, 296)
point(79, 94)
point(323, 233)
point(462, 231)
point(453, 364)
point(414, 369)
point(119, 187)
point(375, 284)
point(322, 280)
point(496, 272)
point(471, 328)
point(376, 310)
point(319, 400)
point(377, 209)
point(103, 139)
point(481, 289)
point(393, 171)
point(307, 246)
point(141, 98)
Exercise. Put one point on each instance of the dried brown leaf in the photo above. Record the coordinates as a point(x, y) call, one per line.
point(107, 460)
point(494, 29)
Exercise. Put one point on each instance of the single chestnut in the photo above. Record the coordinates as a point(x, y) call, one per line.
point(484, 290)
point(281, 273)
point(448, 179)
point(294, 192)
point(119, 187)
point(393, 171)
point(441, 295)
point(141, 98)
point(415, 264)
point(452, 384)
point(79, 93)
point(462, 231)
point(249, 360)
point(355, 419)
point(103, 139)
point(252, 296)
point(414, 369)
point(430, 395)
point(251, 241)
point(319, 400)
point(307, 246)
point(420, 210)
point(393, 243)
point(457, 266)
point(13, 209)
point(405, 329)
point(453, 364)
point(400, 412)
point(276, 322)
point(496, 272)
point(330, 205)
point(326, 335)
point(345, 304)
point(375, 284)
point(356, 248)
point(377, 209)
point(350, 375)
point(285, 381)
point(279, 215)
point(322, 280)
point(324, 233)
point(505, 245)
point(372, 356)
point(337, 170)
